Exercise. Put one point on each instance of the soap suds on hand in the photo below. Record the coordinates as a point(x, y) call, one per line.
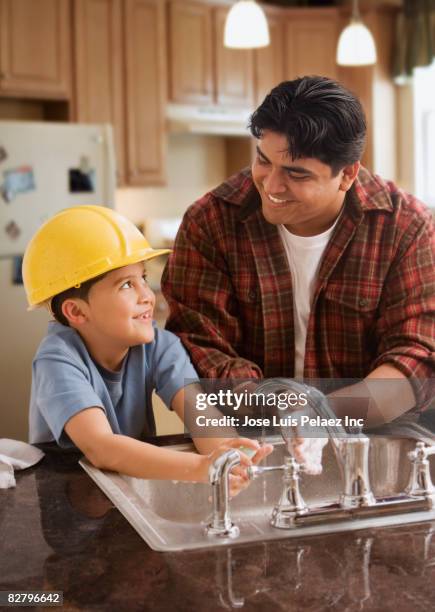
point(308, 452)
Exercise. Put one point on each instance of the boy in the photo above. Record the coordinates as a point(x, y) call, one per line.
point(94, 372)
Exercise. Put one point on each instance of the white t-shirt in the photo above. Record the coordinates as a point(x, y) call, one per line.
point(304, 254)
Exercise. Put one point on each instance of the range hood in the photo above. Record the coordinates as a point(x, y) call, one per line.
point(187, 119)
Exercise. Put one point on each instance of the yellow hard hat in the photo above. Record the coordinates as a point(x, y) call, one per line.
point(77, 244)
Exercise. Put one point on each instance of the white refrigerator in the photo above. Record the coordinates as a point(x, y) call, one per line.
point(44, 167)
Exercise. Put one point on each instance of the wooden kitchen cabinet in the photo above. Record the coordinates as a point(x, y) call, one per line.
point(234, 68)
point(311, 37)
point(35, 45)
point(145, 91)
point(201, 69)
point(98, 69)
point(190, 48)
point(269, 61)
point(120, 72)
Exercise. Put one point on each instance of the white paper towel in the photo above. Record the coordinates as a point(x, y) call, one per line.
point(17, 455)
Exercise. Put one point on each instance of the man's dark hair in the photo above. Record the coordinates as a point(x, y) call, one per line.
point(319, 118)
point(81, 292)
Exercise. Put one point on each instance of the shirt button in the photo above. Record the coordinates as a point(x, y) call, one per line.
point(363, 302)
point(252, 295)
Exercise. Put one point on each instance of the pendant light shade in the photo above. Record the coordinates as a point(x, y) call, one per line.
point(356, 46)
point(246, 26)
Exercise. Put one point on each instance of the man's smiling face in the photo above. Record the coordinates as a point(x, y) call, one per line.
point(301, 194)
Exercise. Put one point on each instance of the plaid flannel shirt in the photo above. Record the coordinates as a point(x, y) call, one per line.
point(229, 287)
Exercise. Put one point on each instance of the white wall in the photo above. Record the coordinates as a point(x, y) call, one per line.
point(195, 165)
point(416, 135)
point(424, 130)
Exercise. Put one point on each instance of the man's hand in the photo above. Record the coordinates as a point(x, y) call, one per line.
point(308, 451)
point(302, 444)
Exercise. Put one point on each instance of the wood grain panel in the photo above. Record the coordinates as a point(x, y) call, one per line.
point(190, 53)
point(269, 61)
point(145, 71)
point(310, 43)
point(234, 69)
point(35, 54)
point(98, 55)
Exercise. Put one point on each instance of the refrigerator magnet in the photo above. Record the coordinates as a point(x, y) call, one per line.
point(18, 180)
point(5, 194)
point(81, 182)
point(17, 270)
point(3, 154)
point(12, 230)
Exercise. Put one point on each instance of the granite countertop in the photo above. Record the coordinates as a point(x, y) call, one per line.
point(58, 531)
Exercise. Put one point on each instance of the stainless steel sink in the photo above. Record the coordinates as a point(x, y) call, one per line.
point(172, 515)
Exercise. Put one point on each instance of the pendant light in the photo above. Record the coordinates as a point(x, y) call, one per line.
point(246, 26)
point(356, 46)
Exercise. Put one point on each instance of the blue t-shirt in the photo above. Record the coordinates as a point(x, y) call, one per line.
point(66, 380)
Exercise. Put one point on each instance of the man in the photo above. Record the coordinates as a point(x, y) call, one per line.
point(307, 264)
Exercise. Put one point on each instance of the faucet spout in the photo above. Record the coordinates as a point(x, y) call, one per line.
point(353, 457)
point(221, 524)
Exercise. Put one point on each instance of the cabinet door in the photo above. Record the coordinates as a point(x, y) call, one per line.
point(311, 42)
point(190, 53)
point(98, 53)
point(145, 101)
point(234, 69)
point(269, 61)
point(35, 48)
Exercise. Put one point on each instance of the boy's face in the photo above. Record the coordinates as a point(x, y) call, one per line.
point(119, 308)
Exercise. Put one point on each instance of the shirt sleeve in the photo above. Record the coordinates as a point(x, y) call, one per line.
point(203, 311)
point(406, 326)
point(62, 390)
point(172, 369)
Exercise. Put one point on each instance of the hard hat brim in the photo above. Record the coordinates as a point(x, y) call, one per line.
point(146, 255)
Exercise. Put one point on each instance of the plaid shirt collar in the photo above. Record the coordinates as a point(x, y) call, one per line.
point(367, 193)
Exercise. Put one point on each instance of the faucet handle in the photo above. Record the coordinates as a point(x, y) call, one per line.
point(291, 503)
point(420, 481)
point(254, 471)
point(421, 452)
point(290, 468)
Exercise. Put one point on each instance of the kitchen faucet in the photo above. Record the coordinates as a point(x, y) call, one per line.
point(350, 449)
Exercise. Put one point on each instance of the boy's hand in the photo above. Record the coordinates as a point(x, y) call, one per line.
point(238, 476)
point(239, 473)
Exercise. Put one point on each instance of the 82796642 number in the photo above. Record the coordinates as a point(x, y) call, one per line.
point(31, 598)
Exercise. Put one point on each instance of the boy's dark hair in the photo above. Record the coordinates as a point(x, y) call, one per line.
point(319, 118)
point(81, 292)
